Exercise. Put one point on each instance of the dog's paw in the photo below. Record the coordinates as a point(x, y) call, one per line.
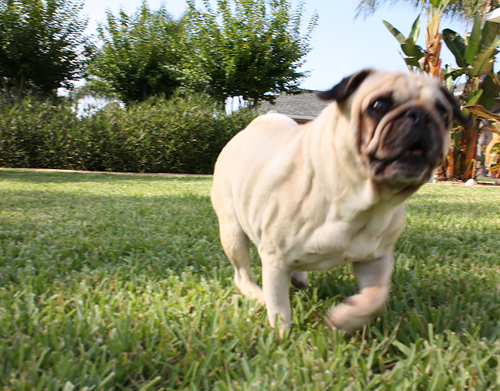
point(254, 292)
point(343, 317)
point(256, 295)
point(260, 299)
point(251, 290)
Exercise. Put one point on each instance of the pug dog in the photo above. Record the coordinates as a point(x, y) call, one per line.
point(333, 191)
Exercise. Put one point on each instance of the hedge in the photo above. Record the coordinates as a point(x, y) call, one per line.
point(179, 135)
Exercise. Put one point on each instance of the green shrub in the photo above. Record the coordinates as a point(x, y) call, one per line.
point(34, 134)
point(179, 135)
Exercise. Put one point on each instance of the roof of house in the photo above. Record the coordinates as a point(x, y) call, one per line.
point(306, 105)
point(493, 16)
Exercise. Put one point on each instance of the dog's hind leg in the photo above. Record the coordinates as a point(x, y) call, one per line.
point(374, 280)
point(236, 246)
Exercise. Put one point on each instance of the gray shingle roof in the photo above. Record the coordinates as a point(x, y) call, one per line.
point(303, 106)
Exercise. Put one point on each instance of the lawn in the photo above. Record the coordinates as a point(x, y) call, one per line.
point(118, 282)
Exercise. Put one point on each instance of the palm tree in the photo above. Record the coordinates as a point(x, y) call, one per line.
point(464, 9)
point(461, 9)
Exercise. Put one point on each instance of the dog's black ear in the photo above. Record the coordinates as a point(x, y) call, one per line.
point(457, 112)
point(346, 87)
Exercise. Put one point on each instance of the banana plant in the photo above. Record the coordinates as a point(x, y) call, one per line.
point(431, 62)
point(475, 56)
point(425, 60)
point(408, 45)
point(492, 150)
point(492, 157)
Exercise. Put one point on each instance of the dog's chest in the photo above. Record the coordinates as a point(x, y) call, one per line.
point(336, 243)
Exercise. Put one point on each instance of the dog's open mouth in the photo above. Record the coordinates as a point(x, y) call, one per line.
point(411, 167)
point(410, 147)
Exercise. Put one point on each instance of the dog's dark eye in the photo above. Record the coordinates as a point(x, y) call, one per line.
point(443, 113)
point(379, 107)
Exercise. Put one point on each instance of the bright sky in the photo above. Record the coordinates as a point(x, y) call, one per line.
point(341, 44)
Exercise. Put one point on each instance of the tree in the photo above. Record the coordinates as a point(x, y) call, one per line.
point(463, 9)
point(140, 56)
point(248, 48)
point(42, 47)
point(426, 60)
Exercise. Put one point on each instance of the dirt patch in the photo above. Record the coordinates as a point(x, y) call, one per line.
point(463, 183)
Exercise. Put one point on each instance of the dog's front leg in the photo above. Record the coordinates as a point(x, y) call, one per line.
point(275, 283)
point(374, 282)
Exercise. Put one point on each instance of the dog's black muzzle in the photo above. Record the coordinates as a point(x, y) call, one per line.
point(410, 148)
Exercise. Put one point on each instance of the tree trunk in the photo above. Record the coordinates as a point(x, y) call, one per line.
point(470, 145)
point(434, 60)
point(6, 91)
point(20, 89)
point(450, 161)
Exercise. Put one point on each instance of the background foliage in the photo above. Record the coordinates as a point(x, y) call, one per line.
point(241, 48)
point(249, 48)
point(180, 135)
point(42, 47)
point(140, 55)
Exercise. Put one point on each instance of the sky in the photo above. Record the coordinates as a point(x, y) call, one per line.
point(341, 44)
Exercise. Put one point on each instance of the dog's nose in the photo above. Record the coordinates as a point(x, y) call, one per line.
point(419, 116)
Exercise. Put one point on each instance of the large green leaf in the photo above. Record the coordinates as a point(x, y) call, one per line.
point(454, 73)
point(489, 86)
point(474, 43)
point(413, 61)
point(410, 49)
point(394, 31)
point(415, 29)
point(490, 32)
point(456, 44)
point(485, 59)
point(486, 101)
point(471, 102)
point(495, 78)
point(474, 97)
point(490, 92)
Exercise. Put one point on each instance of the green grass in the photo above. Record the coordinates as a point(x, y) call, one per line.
point(117, 282)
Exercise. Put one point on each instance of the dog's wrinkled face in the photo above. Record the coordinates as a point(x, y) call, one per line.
point(402, 123)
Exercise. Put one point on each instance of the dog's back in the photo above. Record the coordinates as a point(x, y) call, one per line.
point(261, 140)
point(273, 119)
point(241, 160)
